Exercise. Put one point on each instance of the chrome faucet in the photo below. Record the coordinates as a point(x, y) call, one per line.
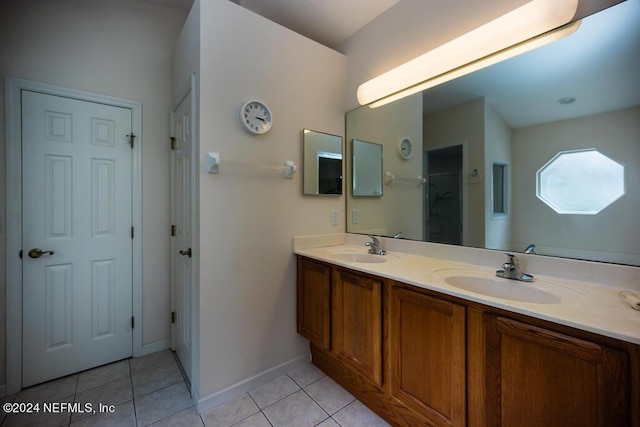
point(531, 249)
point(511, 270)
point(374, 246)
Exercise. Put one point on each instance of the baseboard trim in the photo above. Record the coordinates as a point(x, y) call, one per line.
point(208, 403)
point(155, 347)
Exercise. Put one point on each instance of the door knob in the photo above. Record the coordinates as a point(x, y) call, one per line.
point(187, 252)
point(37, 253)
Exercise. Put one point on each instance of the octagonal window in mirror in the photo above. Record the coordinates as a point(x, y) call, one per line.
point(580, 182)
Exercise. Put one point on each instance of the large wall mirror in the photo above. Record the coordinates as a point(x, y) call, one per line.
point(489, 146)
point(322, 174)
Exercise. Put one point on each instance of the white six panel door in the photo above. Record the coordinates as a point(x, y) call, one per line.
point(181, 243)
point(77, 300)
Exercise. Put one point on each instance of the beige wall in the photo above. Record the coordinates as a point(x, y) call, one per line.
point(399, 208)
point(497, 148)
point(613, 231)
point(247, 310)
point(185, 59)
point(119, 48)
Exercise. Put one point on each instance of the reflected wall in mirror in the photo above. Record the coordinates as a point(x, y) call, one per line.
point(322, 163)
point(366, 164)
point(578, 93)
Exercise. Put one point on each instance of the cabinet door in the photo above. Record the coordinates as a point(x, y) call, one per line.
point(537, 377)
point(357, 303)
point(427, 356)
point(314, 298)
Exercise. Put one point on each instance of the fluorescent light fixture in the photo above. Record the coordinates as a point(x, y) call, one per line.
point(487, 61)
point(527, 21)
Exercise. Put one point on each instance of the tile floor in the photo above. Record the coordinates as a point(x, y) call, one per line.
point(151, 391)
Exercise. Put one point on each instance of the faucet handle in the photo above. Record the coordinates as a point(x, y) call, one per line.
point(374, 246)
point(513, 260)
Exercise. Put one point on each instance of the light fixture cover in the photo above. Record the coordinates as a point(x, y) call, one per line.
point(523, 23)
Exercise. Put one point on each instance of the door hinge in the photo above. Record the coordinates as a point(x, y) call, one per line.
point(133, 322)
point(173, 230)
point(173, 317)
point(132, 232)
point(20, 254)
point(131, 137)
point(174, 142)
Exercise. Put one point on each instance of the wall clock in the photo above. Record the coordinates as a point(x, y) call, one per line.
point(256, 117)
point(405, 148)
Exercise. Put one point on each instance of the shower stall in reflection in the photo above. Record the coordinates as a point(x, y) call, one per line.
point(443, 195)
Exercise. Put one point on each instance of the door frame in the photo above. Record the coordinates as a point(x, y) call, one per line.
point(464, 217)
point(13, 168)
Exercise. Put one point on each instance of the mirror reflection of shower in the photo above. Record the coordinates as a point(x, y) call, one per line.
point(443, 195)
point(329, 173)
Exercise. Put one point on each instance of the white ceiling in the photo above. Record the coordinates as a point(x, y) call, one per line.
point(177, 4)
point(329, 22)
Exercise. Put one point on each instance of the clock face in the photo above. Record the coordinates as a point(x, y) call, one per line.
point(256, 117)
point(405, 149)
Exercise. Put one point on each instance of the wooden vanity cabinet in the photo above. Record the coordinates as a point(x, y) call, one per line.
point(314, 302)
point(357, 322)
point(538, 377)
point(418, 357)
point(427, 353)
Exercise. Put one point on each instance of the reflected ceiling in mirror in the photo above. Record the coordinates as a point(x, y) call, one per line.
point(579, 93)
point(322, 163)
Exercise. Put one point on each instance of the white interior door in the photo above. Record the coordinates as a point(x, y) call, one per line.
point(77, 209)
point(182, 238)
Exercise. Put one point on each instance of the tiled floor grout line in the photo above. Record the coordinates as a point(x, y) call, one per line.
point(259, 410)
point(153, 364)
point(300, 388)
point(133, 397)
point(318, 403)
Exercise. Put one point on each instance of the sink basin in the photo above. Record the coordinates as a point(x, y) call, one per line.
point(503, 288)
point(358, 257)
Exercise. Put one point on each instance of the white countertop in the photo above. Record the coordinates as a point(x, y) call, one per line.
point(588, 306)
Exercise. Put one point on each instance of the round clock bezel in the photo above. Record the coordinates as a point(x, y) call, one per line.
point(401, 153)
point(248, 126)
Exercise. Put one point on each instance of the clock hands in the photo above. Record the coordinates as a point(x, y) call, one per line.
point(261, 118)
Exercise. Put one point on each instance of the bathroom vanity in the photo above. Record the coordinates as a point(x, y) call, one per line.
point(405, 335)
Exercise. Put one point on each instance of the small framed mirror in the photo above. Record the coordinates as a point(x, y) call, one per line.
point(322, 163)
point(367, 169)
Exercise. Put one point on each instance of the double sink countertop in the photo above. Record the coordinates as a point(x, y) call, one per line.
point(583, 305)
